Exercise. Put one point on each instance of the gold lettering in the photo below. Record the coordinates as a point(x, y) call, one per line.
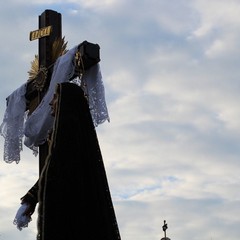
point(43, 32)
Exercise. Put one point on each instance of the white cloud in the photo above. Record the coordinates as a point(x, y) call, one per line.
point(171, 74)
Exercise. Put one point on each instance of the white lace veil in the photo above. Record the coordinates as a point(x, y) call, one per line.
point(93, 87)
point(12, 126)
point(40, 122)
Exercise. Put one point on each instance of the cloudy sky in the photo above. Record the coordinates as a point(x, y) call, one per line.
point(172, 82)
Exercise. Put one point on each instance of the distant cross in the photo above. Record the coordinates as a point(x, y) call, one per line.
point(165, 227)
point(50, 29)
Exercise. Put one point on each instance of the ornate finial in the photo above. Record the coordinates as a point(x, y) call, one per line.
point(165, 227)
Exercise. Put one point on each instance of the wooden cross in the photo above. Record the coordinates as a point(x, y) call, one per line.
point(50, 29)
point(49, 36)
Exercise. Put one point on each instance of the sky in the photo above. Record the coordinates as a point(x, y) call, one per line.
point(172, 81)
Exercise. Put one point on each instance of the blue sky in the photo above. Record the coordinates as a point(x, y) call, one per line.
point(172, 82)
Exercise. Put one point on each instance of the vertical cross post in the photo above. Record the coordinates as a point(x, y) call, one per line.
point(45, 46)
point(53, 19)
point(50, 29)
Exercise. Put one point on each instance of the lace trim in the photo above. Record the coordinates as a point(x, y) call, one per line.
point(21, 221)
point(35, 127)
point(93, 87)
point(12, 126)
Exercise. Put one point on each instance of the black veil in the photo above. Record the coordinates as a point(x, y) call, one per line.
point(74, 196)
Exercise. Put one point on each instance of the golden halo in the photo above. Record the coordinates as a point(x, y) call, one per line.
point(59, 48)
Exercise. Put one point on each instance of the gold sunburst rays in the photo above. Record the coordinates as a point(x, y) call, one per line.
point(32, 73)
point(59, 48)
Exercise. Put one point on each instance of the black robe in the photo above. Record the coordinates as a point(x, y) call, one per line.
point(74, 198)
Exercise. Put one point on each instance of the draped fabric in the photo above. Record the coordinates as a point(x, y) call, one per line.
point(18, 124)
point(40, 122)
point(74, 196)
point(13, 124)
